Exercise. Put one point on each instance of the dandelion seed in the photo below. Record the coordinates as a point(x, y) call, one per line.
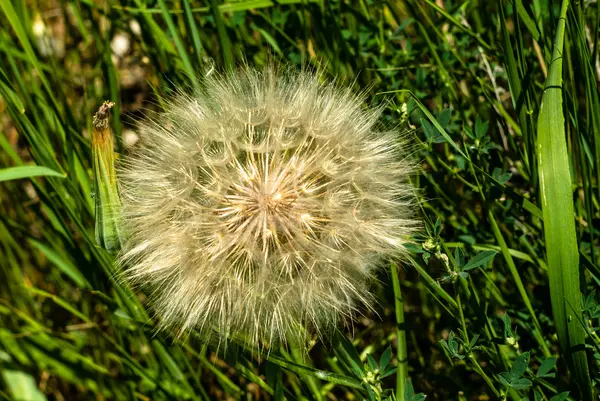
point(259, 207)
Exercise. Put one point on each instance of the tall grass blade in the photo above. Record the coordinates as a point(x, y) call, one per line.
point(224, 42)
point(559, 218)
point(187, 65)
point(519, 283)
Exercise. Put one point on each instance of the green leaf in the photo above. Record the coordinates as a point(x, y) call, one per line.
point(303, 370)
point(22, 386)
point(224, 41)
point(15, 22)
point(409, 391)
point(481, 259)
point(347, 354)
point(187, 65)
point(481, 127)
point(385, 359)
point(561, 396)
point(372, 363)
point(521, 384)
point(559, 218)
point(15, 173)
point(519, 366)
point(527, 20)
point(389, 372)
point(504, 379)
point(444, 117)
point(62, 263)
point(194, 33)
point(547, 365)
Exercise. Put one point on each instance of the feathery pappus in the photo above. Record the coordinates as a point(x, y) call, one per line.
point(259, 206)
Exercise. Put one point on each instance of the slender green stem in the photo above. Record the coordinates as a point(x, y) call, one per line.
point(519, 283)
point(435, 286)
point(402, 373)
point(483, 375)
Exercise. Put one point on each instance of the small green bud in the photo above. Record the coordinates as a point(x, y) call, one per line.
point(431, 246)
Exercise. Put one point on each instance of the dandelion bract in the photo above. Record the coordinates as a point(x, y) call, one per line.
point(259, 206)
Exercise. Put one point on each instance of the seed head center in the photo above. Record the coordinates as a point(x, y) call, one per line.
point(261, 206)
point(272, 200)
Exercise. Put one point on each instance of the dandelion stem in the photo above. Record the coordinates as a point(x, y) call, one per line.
point(402, 373)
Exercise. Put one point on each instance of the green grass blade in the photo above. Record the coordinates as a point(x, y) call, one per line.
point(193, 31)
point(15, 173)
point(224, 41)
point(62, 263)
point(559, 218)
point(527, 20)
point(303, 370)
point(519, 283)
point(435, 287)
point(187, 65)
point(21, 33)
point(520, 99)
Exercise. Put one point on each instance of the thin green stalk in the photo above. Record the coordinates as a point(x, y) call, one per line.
point(519, 283)
point(401, 354)
point(435, 286)
point(483, 375)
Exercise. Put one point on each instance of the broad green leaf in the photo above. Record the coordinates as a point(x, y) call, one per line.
point(520, 365)
point(22, 386)
point(559, 218)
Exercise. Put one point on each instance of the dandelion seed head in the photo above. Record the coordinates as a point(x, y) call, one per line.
point(259, 206)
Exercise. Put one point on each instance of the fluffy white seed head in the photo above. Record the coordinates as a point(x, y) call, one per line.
point(259, 206)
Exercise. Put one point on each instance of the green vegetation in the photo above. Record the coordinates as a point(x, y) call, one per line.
point(498, 299)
